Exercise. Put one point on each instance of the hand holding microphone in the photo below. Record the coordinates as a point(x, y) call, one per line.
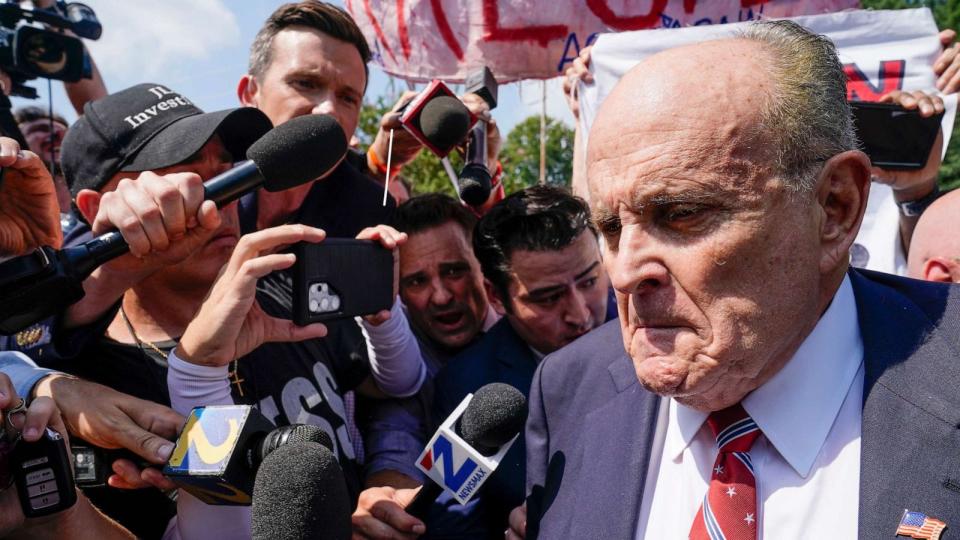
point(475, 436)
point(221, 448)
point(45, 282)
point(477, 178)
point(405, 145)
point(463, 453)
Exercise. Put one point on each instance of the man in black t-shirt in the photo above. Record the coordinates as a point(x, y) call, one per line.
point(300, 381)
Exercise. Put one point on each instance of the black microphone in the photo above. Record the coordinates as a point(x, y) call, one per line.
point(444, 122)
point(220, 449)
point(475, 181)
point(284, 435)
point(38, 285)
point(485, 425)
point(300, 493)
point(297, 151)
point(92, 465)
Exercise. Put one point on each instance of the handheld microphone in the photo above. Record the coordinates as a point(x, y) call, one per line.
point(437, 119)
point(445, 121)
point(221, 448)
point(41, 284)
point(300, 493)
point(297, 151)
point(475, 181)
point(474, 438)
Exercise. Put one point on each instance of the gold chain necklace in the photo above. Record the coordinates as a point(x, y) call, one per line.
point(140, 342)
point(233, 373)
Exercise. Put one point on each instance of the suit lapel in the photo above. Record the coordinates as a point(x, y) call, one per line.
point(908, 440)
point(613, 469)
point(517, 362)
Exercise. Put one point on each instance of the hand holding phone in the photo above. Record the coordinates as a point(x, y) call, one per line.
point(919, 181)
point(230, 323)
point(343, 278)
point(895, 137)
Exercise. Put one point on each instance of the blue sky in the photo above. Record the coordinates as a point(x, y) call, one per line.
point(199, 48)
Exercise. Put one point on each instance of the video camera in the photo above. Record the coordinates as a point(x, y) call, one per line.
point(28, 52)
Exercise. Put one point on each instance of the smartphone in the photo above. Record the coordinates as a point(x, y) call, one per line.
point(893, 137)
point(341, 278)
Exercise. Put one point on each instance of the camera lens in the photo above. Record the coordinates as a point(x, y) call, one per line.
point(45, 54)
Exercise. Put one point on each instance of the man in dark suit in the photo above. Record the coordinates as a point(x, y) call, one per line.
point(542, 273)
point(754, 386)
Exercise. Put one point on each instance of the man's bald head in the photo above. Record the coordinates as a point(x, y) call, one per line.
point(725, 180)
point(789, 79)
point(935, 244)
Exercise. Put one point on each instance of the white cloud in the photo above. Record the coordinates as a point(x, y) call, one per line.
point(146, 39)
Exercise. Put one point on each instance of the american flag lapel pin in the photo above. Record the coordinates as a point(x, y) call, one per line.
point(919, 525)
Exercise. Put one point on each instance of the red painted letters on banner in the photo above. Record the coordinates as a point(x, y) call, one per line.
point(426, 39)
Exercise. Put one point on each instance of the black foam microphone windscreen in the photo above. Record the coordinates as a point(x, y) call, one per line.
point(300, 493)
point(43, 283)
point(445, 121)
point(299, 150)
point(292, 434)
point(496, 413)
point(475, 183)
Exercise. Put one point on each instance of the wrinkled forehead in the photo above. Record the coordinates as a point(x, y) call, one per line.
point(693, 107)
point(567, 264)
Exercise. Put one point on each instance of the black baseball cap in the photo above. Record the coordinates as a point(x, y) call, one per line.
point(148, 127)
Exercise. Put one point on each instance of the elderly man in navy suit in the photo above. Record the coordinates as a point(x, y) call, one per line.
point(755, 386)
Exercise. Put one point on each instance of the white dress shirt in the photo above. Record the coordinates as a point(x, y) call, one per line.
point(807, 460)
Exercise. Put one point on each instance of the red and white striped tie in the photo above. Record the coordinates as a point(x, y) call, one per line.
point(729, 509)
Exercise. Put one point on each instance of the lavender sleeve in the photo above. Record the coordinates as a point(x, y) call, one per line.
point(395, 360)
point(192, 386)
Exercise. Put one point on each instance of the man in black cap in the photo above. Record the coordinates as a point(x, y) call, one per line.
point(148, 128)
point(179, 243)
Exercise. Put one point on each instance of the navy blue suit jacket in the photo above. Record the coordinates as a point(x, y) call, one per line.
point(499, 356)
point(590, 429)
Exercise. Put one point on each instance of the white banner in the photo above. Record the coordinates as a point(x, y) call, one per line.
point(880, 50)
point(519, 39)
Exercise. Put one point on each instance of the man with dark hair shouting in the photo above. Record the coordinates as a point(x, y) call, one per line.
point(540, 259)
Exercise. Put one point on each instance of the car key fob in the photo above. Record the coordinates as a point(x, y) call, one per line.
point(43, 476)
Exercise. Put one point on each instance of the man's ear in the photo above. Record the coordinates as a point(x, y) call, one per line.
point(88, 202)
point(841, 194)
point(493, 296)
point(247, 90)
point(940, 269)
